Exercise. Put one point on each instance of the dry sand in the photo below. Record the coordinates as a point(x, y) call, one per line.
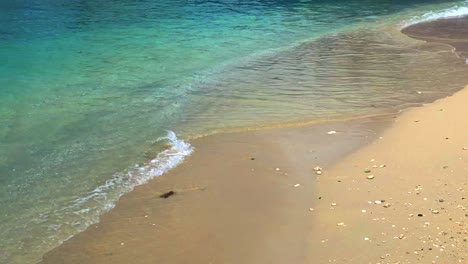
point(420, 167)
point(254, 197)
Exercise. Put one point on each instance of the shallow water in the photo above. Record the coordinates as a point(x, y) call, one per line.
point(452, 31)
point(88, 89)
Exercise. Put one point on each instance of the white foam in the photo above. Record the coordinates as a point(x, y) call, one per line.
point(456, 11)
point(86, 210)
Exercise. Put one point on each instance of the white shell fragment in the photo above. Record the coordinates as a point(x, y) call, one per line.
point(318, 170)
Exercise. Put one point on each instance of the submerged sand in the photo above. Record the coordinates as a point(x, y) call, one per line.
point(451, 31)
point(254, 197)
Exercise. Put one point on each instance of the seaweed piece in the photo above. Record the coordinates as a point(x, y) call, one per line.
point(167, 194)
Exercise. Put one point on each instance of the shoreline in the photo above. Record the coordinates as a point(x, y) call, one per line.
point(215, 200)
point(265, 199)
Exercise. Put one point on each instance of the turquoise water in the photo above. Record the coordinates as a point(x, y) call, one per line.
point(89, 90)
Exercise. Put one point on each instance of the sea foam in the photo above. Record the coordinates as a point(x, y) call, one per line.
point(456, 11)
point(86, 210)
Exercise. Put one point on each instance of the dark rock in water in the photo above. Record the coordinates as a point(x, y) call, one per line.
point(167, 195)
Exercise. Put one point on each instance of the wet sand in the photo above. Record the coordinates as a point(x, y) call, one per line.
point(235, 201)
point(392, 190)
point(453, 31)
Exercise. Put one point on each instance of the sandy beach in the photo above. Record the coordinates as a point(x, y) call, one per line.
point(236, 201)
point(388, 189)
point(401, 199)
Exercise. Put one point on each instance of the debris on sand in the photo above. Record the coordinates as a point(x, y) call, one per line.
point(167, 194)
point(318, 170)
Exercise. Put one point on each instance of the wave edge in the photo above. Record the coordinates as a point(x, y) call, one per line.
point(452, 12)
point(87, 209)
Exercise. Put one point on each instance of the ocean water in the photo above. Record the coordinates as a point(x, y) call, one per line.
point(97, 97)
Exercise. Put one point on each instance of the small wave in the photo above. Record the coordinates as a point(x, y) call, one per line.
point(86, 210)
point(456, 11)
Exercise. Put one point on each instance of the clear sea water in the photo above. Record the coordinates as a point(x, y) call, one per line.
point(90, 90)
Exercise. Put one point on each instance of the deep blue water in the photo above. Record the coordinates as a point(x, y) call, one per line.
point(89, 89)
